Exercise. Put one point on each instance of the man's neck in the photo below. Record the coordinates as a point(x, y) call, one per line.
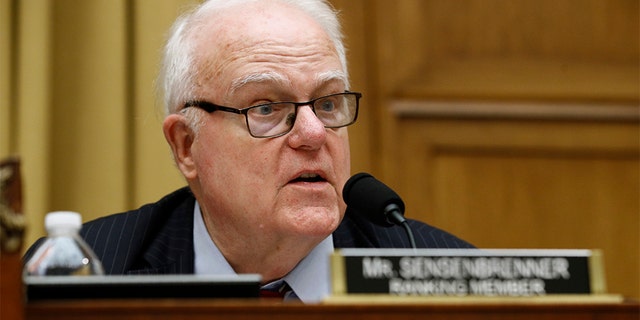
point(309, 279)
point(268, 256)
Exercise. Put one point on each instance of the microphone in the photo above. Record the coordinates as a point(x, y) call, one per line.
point(376, 202)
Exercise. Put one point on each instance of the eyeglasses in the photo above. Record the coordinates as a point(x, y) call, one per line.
point(275, 119)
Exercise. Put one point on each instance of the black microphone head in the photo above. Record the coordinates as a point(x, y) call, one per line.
point(371, 198)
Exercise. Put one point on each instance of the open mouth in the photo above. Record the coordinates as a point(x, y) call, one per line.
point(309, 177)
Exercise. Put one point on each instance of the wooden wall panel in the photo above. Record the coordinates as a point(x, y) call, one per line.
point(6, 69)
point(153, 171)
point(88, 137)
point(31, 76)
point(477, 49)
point(362, 134)
point(531, 136)
point(528, 184)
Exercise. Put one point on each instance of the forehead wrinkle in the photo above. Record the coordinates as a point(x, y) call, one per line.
point(258, 78)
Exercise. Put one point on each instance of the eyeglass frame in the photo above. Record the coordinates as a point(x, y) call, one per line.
point(210, 107)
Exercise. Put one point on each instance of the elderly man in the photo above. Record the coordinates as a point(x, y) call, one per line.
point(257, 99)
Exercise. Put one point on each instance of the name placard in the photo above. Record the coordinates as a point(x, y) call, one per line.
point(463, 272)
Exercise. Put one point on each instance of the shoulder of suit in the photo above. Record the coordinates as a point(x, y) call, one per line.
point(163, 207)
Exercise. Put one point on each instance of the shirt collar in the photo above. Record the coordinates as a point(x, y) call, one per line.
point(310, 279)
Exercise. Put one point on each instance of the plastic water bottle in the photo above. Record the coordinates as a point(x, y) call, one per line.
point(63, 252)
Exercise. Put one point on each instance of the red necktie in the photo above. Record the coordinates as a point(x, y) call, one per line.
point(277, 292)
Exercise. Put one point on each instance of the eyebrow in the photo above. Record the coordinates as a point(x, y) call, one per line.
point(257, 78)
point(320, 79)
point(330, 76)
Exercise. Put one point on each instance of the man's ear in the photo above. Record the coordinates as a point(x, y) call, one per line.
point(180, 137)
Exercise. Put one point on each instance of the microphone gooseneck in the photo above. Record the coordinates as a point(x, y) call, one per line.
point(376, 201)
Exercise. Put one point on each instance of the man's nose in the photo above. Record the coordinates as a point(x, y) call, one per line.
point(308, 131)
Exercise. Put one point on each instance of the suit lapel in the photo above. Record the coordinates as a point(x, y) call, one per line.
point(171, 249)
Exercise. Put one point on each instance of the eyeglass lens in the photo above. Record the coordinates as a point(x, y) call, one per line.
point(277, 118)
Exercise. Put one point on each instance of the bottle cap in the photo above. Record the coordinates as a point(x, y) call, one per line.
point(62, 219)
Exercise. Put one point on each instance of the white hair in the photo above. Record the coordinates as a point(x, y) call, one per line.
point(178, 72)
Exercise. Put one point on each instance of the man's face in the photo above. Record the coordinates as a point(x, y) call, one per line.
point(268, 188)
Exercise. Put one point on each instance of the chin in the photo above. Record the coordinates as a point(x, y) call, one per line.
point(317, 222)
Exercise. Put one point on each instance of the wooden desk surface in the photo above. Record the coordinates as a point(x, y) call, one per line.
point(264, 309)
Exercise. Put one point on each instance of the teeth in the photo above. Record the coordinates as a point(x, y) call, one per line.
point(308, 175)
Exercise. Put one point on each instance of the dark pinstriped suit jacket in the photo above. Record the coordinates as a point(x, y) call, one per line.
point(158, 238)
